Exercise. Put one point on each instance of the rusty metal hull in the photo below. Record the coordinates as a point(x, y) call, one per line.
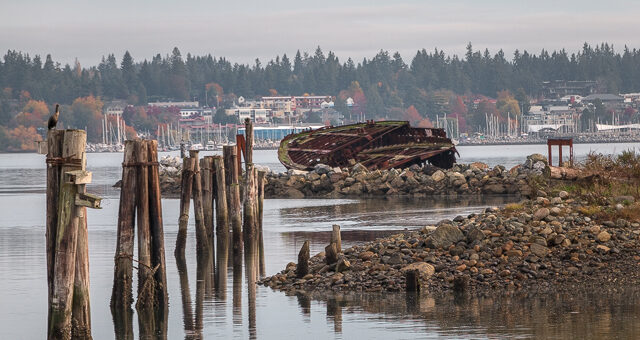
point(376, 145)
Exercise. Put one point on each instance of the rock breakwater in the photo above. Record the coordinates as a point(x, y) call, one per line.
point(418, 181)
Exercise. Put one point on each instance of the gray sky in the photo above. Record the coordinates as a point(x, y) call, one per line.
point(244, 30)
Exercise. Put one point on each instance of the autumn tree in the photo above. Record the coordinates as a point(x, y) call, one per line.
point(34, 113)
point(507, 104)
point(412, 115)
point(23, 138)
point(86, 112)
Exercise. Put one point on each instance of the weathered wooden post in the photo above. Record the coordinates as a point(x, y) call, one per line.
point(336, 237)
point(331, 254)
point(249, 227)
point(302, 268)
point(81, 315)
point(185, 198)
point(157, 231)
point(261, 180)
point(121, 296)
point(66, 239)
point(201, 234)
point(54, 152)
point(140, 199)
point(145, 277)
point(222, 217)
point(412, 278)
point(233, 195)
point(206, 169)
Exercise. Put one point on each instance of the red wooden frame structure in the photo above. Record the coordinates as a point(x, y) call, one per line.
point(560, 142)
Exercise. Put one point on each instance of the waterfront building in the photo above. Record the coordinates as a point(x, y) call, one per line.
point(562, 119)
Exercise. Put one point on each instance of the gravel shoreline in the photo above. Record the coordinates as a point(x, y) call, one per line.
point(548, 243)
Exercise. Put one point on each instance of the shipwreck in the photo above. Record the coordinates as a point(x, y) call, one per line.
point(376, 145)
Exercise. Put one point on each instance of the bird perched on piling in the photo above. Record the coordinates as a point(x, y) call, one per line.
point(53, 120)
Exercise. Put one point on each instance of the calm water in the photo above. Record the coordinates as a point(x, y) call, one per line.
point(287, 223)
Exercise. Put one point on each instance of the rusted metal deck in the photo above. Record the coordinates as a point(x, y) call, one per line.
point(376, 145)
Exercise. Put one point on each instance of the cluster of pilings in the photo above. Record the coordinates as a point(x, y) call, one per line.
point(213, 183)
point(69, 313)
point(140, 205)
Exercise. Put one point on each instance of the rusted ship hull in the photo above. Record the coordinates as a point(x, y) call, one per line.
point(376, 145)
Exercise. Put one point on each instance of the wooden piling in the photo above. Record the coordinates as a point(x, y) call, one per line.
point(222, 217)
point(302, 268)
point(233, 195)
point(206, 171)
point(157, 230)
point(261, 180)
point(81, 311)
point(249, 213)
point(336, 238)
point(331, 254)
point(202, 246)
point(64, 262)
point(412, 278)
point(145, 277)
point(185, 198)
point(121, 296)
point(54, 147)
point(248, 142)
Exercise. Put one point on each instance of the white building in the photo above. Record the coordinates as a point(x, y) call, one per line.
point(551, 118)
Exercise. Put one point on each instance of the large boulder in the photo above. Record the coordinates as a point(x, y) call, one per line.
point(322, 169)
point(424, 269)
point(444, 236)
point(438, 176)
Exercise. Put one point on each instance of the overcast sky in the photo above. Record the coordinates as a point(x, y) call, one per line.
point(245, 30)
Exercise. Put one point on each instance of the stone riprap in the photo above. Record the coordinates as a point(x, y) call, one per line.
point(418, 181)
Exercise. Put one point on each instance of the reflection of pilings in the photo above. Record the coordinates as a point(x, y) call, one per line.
point(251, 270)
point(304, 301)
point(187, 314)
point(222, 257)
point(334, 311)
point(123, 323)
point(261, 175)
point(204, 267)
point(237, 287)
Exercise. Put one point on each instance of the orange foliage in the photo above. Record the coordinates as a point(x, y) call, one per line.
point(425, 123)
point(87, 112)
point(273, 92)
point(412, 115)
point(25, 137)
point(130, 132)
point(35, 113)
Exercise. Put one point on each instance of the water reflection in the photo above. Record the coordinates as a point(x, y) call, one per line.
point(587, 314)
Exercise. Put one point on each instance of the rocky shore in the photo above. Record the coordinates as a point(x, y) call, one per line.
point(417, 181)
point(547, 243)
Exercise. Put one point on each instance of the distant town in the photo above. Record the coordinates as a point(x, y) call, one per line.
point(480, 99)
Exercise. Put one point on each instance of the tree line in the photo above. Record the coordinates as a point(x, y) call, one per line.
point(384, 86)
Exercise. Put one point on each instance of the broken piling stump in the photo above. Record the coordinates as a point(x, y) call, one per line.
point(302, 268)
point(336, 237)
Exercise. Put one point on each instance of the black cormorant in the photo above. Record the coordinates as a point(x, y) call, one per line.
point(53, 120)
